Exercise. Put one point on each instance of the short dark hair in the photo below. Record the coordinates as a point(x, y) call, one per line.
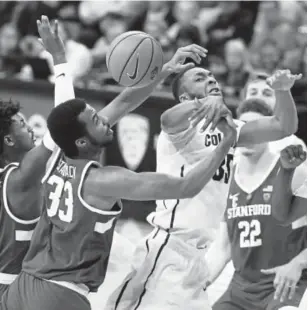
point(189, 32)
point(255, 76)
point(64, 126)
point(7, 110)
point(254, 105)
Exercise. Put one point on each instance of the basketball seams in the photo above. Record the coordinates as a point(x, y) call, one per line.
point(132, 53)
point(108, 60)
point(149, 65)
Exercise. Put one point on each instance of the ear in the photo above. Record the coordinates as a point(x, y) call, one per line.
point(81, 143)
point(184, 97)
point(8, 140)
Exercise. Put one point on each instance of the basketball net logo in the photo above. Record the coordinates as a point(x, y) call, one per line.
point(133, 132)
point(154, 73)
point(133, 76)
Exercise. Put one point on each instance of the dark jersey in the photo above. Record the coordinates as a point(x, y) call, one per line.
point(258, 240)
point(72, 240)
point(15, 233)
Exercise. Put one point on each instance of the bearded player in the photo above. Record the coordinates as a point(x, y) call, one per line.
point(259, 246)
point(70, 247)
point(169, 270)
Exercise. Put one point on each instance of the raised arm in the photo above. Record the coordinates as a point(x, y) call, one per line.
point(290, 204)
point(33, 165)
point(285, 120)
point(132, 98)
point(119, 183)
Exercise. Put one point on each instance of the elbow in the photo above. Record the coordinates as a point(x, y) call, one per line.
point(288, 128)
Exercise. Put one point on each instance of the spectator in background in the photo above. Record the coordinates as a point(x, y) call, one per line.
point(155, 26)
point(270, 56)
point(10, 53)
point(111, 25)
point(238, 70)
point(187, 35)
point(185, 13)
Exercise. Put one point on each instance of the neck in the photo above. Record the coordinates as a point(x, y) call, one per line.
point(11, 157)
point(253, 162)
point(90, 155)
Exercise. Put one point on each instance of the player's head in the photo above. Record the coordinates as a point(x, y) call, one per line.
point(257, 88)
point(16, 135)
point(196, 82)
point(78, 130)
point(250, 110)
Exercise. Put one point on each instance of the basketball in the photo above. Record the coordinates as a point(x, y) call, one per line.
point(134, 59)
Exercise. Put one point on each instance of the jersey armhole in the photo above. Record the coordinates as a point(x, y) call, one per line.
point(6, 203)
point(79, 190)
point(50, 165)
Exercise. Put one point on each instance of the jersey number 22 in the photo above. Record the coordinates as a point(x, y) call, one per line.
point(250, 234)
point(61, 185)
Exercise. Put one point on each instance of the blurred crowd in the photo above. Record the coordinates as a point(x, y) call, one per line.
point(241, 36)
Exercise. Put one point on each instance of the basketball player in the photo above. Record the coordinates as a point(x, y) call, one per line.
point(287, 207)
point(70, 247)
point(252, 238)
point(169, 270)
point(20, 182)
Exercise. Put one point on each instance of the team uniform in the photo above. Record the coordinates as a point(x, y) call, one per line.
point(70, 247)
point(168, 269)
point(259, 241)
point(15, 235)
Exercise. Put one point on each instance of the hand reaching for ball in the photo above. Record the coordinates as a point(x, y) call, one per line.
point(193, 51)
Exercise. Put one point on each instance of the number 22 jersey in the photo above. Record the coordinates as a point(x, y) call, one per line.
point(258, 241)
point(72, 240)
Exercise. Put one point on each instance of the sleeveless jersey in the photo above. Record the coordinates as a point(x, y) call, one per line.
point(197, 218)
point(15, 233)
point(72, 240)
point(258, 241)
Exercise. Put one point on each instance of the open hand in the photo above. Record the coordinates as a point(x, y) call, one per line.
point(292, 156)
point(283, 80)
point(193, 51)
point(286, 278)
point(212, 109)
point(50, 38)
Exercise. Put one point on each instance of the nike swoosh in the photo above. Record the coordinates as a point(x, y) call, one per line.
point(60, 75)
point(133, 76)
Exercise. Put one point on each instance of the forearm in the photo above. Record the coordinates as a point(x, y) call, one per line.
point(216, 259)
point(175, 119)
point(282, 200)
point(285, 111)
point(301, 259)
point(198, 177)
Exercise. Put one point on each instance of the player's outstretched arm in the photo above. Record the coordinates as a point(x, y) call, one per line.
point(120, 183)
point(219, 253)
point(290, 204)
point(285, 120)
point(132, 98)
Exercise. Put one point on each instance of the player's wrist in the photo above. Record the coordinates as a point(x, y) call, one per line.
point(59, 58)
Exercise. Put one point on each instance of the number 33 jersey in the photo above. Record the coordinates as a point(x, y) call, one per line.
point(258, 241)
point(199, 217)
point(72, 240)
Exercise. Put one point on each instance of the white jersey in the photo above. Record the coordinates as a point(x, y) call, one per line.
point(196, 219)
point(278, 146)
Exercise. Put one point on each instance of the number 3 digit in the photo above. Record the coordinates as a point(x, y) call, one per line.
point(55, 199)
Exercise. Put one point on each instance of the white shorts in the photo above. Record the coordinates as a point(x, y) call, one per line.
point(166, 274)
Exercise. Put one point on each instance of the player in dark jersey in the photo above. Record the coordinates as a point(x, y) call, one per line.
point(251, 237)
point(71, 244)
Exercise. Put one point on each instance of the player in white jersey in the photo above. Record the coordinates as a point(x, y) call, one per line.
point(169, 271)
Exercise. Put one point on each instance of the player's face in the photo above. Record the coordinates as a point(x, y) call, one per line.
point(198, 82)
point(255, 149)
point(261, 90)
point(98, 129)
point(21, 133)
